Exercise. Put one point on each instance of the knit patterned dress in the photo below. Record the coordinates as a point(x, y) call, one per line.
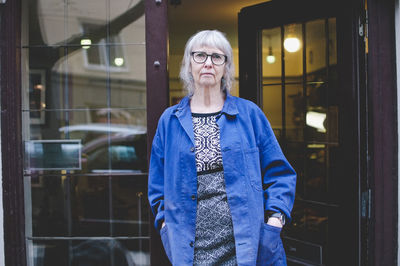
point(215, 242)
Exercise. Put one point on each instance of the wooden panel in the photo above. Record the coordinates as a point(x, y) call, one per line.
point(11, 140)
point(157, 93)
point(383, 119)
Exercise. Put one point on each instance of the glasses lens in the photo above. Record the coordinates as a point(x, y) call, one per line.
point(200, 57)
point(218, 59)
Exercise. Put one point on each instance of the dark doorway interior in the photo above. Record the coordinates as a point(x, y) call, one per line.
point(296, 63)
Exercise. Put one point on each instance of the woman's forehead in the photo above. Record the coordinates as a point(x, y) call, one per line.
point(207, 49)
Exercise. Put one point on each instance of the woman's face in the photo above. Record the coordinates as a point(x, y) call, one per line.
point(207, 74)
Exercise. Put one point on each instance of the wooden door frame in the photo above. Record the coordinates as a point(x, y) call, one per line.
point(382, 90)
point(11, 134)
point(157, 94)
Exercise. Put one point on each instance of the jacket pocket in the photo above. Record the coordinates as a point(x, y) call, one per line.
point(165, 241)
point(270, 248)
point(252, 162)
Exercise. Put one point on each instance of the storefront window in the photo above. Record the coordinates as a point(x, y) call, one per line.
point(85, 131)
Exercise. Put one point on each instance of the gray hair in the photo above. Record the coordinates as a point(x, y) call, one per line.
point(210, 38)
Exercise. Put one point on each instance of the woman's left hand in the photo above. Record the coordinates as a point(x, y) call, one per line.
point(273, 221)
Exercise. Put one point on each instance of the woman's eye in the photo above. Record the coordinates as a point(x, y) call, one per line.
point(201, 55)
point(216, 56)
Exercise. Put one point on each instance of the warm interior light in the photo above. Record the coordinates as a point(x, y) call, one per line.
point(270, 58)
point(291, 44)
point(86, 43)
point(316, 120)
point(118, 61)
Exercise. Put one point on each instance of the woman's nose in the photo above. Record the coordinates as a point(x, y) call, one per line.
point(208, 61)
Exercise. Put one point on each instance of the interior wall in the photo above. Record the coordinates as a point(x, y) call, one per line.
point(189, 17)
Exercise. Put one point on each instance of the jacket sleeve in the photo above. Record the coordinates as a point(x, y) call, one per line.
point(278, 176)
point(156, 179)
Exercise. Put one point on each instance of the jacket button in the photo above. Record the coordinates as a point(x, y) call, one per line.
point(191, 244)
point(193, 197)
point(192, 149)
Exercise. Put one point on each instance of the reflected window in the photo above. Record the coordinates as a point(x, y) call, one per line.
point(84, 129)
point(99, 55)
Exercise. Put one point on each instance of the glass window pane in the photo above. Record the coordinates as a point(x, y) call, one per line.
point(86, 20)
point(316, 48)
point(317, 112)
point(294, 152)
point(293, 44)
point(89, 252)
point(130, 206)
point(315, 184)
point(128, 81)
point(46, 22)
point(310, 222)
point(94, 55)
point(127, 20)
point(271, 56)
point(84, 128)
point(67, 83)
point(332, 41)
point(47, 253)
point(109, 140)
point(88, 205)
point(272, 107)
point(294, 112)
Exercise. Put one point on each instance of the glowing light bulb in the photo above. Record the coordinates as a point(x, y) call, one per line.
point(118, 61)
point(86, 43)
point(271, 59)
point(292, 44)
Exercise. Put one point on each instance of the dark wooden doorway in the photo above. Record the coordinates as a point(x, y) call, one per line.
point(313, 97)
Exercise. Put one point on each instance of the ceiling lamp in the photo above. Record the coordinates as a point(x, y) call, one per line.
point(292, 44)
point(119, 61)
point(270, 57)
point(86, 43)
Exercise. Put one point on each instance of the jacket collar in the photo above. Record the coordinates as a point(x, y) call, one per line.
point(229, 107)
point(184, 115)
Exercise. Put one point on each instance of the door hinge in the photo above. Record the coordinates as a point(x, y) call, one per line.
point(366, 204)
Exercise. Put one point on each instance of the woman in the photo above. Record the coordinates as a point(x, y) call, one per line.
point(219, 186)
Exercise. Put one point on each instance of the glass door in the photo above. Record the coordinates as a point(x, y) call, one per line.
point(299, 97)
point(85, 133)
point(291, 65)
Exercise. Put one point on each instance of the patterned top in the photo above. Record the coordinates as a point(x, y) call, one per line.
point(215, 243)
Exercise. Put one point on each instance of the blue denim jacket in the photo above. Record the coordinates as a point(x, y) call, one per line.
point(257, 177)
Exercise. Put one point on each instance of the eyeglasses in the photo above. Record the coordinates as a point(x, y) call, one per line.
point(216, 59)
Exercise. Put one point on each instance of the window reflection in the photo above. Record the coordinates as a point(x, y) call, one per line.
point(85, 82)
point(100, 252)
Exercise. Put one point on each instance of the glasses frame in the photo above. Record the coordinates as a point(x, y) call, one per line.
point(209, 55)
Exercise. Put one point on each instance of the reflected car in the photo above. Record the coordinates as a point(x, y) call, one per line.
point(111, 148)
